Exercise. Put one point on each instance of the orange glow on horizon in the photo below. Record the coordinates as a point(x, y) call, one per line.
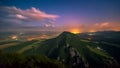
point(75, 31)
point(92, 31)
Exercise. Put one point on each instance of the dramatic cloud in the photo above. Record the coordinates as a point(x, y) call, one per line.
point(14, 14)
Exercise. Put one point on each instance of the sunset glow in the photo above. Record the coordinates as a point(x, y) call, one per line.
point(79, 18)
point(75, 31)
point(59, 33)
point(92, 31)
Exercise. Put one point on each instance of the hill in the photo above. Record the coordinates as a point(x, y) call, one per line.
point(107, 40)
point(70, 49)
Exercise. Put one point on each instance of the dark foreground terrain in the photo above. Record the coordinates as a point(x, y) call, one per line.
point(86, 50)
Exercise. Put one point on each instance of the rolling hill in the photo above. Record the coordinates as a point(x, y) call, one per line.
point(68, 48)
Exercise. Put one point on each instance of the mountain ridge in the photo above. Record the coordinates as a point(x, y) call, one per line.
point(70, 49)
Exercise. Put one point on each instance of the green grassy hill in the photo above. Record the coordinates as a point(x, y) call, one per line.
point(68, 48)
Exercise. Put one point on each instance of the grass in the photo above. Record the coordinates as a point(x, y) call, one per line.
point(18, 46)
point(8, 45)
point(33, 45)
point(8, 42)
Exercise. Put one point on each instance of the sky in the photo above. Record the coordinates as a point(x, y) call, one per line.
point(60, 15)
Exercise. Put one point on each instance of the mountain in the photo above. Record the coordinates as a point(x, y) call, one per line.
point(69, 48)
point(107, 40)
point(107, 36)
point(72, 50)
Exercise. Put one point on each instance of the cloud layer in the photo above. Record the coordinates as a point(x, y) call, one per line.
point(17, 15)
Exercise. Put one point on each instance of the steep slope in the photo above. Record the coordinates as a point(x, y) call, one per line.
point(107, 40)
point(69, 48)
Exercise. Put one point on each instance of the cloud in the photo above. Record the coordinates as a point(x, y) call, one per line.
point(49, 25)
point(103, 24)
point(20, 16)
point(14, 14)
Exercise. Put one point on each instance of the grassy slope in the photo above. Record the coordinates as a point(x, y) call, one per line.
point(18, 46)
point(55, 47)
point(85, 48)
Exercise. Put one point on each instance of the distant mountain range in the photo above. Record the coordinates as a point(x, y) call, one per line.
point(76, 50)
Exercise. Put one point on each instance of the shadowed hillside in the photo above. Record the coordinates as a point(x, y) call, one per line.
point(77, 52)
